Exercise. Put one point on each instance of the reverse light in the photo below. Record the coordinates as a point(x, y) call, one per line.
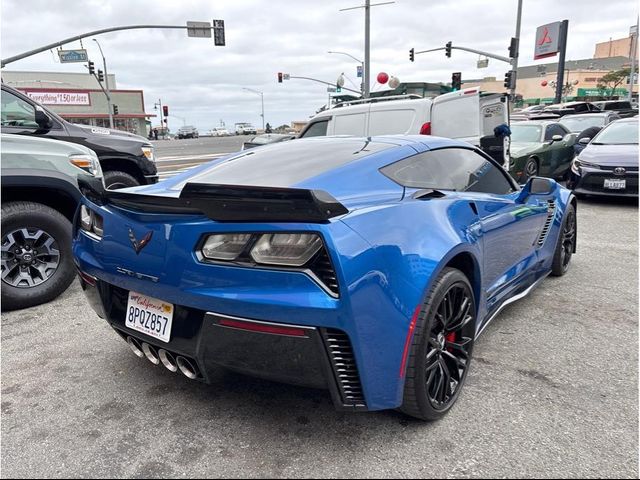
point(225, 246)
point(287, 249)
point(90, 222)
point(87, 163)
point(148, 152)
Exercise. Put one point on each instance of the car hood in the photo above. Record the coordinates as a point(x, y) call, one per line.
point(520, 149)
point(613, 155)
point(112, 133)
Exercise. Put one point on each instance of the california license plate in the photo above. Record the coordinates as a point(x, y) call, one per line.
point(150, 316)
point(615, 183)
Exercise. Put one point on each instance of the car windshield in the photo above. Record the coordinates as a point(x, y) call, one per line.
point(618, 133)
point(525, 133)
point(577, 124)
point(263, 139)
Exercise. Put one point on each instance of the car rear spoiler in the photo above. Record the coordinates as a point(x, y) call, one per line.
point(228, 203)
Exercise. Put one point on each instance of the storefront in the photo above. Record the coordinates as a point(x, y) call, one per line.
point(78, 98)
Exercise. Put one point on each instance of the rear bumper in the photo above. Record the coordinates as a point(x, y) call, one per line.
point(313, 357)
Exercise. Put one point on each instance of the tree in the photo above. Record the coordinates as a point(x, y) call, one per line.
point(610, 81)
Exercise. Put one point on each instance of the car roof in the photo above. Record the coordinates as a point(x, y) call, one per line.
point(593, 114)
point(536, 122)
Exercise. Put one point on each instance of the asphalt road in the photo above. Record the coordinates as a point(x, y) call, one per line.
point(552, 392)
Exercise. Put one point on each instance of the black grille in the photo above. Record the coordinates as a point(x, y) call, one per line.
point(344, 367)
point(551, 212)
point(322, 268)
point(595, 183)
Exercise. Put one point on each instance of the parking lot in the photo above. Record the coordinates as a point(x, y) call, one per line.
point(552, 392)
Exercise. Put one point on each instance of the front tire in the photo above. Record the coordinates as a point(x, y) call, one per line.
point(115, 179)
point(441, 348)
point(36, 254)
point(531, 168)
point(566, 242)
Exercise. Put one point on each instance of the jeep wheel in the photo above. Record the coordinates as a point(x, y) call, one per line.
point(36, 254)
point(115, 180)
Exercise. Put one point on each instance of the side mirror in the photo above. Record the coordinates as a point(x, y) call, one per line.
point(536, 186)
point(584, 141)
point(556, 138)
point(43, 120)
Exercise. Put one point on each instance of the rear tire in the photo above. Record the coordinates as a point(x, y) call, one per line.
point(566, 243)
point(34, 218)
point(441, 348)
point(115, 179)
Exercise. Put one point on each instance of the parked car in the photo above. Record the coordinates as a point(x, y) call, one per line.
point(245, 129)
point(127, 160)
point(623, 108)
point(464, 115)
point(306, 262)
point(187, 131)
point(609, 163)
point(540, 147)
point(266, 139)
point(219, 132)
point(587, 125)
point(39, 199)
point(570, 108)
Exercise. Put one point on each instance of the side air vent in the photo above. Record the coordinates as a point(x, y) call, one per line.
point(551, 213)
point(322, 268)
point(344, 367)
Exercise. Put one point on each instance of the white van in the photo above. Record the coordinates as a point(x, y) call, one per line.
point(465, 115)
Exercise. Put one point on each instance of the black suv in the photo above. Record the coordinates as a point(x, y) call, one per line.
point(127, 160)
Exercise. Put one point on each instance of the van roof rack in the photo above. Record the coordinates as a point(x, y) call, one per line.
point(347, 103)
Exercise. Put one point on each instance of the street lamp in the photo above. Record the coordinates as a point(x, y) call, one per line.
point(162, 124)
point(359, 61)
point(106, 84)
point(262, 101)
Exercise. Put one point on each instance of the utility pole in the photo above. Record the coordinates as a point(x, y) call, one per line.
point(367, 43)
point(106, 85)
point(514, 61)
point(634, 54)
point(155, 106)
point(262, 101)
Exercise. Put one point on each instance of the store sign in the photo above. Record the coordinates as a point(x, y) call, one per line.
point(53, 97)
point(547, 40)
point(596, 92)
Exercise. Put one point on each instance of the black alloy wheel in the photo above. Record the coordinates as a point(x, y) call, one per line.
point(442, 347)
point(566, 243)
point(531, 168)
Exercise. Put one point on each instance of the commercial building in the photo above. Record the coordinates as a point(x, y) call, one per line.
point(78, 98)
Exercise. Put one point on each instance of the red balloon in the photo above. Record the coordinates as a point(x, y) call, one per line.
point(383, 78)
point(544, 83)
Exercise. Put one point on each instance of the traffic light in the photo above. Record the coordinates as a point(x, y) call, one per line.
point(165, 110)
point(456, 81)
point(92, 70)
point(279, 77)
point(412, 55)
point(100, 76)
point(510, 79)
point(115, 109)
point(447, 49)
point(513, 48)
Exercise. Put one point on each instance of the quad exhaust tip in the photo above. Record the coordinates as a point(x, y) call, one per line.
point(187, 369)
point(151, 353)
point(135, 347)
point(168, 361)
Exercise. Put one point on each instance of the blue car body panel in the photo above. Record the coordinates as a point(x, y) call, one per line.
point(386, 251)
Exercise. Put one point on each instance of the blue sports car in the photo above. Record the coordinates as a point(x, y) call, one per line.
point(365, 266)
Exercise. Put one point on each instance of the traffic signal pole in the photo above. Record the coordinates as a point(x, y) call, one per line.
point(516, 53)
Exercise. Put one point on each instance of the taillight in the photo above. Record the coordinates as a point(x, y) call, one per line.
point(426, 129)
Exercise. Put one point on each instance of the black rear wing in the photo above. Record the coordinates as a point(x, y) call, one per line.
point(229, 203)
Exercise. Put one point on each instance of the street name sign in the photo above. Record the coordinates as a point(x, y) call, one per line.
point(73, 56)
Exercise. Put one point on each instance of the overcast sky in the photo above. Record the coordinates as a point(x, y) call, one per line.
point(203, 83)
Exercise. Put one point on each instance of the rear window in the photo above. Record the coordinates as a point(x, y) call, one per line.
point(457, 169)
point(285, 164)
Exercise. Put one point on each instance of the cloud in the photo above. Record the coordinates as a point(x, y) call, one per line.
point(203, 83)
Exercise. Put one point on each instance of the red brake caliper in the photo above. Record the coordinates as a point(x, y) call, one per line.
point(450, 338)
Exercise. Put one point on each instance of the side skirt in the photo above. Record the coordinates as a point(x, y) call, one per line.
point(511, 300)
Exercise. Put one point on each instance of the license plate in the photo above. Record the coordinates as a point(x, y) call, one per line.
point(150, 316)
point(615, 183)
